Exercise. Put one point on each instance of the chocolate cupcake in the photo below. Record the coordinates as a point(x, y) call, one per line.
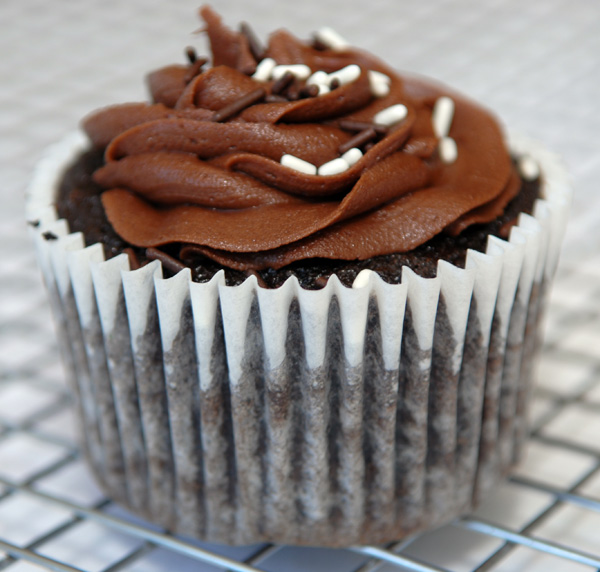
point(298, 294)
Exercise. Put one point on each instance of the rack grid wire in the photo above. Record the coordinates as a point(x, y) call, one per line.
point(537, 64)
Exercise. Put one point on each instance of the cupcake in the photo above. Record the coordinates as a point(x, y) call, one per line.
point(298, 294)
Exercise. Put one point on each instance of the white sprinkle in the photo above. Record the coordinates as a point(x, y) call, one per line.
point(301, 71)
point(323, 89)
point(528, 168)
point(334, 167)
point(331, 39)
point(391, 115)
point(298, 164)
point(378, 76)
point(264, 69)
point(345, 75)
point(319, 77)
point(380, 83)
point(321, 80)
point(362, 279)
point(352, 156)
point(441, 117)
point(448, 150)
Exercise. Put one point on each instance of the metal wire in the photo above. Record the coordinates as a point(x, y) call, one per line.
point(531, 542)
point(559, 497)
point(391, 558)
point(395, 555)
point(31, 556)
point(156, 538)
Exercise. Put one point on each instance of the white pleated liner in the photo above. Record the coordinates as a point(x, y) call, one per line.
point(336, 416)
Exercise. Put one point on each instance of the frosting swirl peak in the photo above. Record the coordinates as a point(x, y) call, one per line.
point(201, 165)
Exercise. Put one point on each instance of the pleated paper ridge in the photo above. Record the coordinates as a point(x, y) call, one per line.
point(334, 417)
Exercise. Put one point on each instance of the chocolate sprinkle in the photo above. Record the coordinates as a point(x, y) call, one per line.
point(293, 92)
point(238, 105)
point(271, 98)
point(351, 125)
point(422, 147)
point(282, 83)
point(194, 69)
point(318, 44)
point(321, 281)
point(358, 140)
point(134, 263)
point(259, 278)
point(335, 83)
point(49, 235)
point(309, 91)
point(191, 54)
point(167, 261)
point(256, 48)
point(189, 252)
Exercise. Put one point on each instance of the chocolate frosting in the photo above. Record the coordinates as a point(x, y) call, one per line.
point(173, 175)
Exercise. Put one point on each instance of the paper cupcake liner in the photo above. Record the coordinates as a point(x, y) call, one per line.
point(331, 417)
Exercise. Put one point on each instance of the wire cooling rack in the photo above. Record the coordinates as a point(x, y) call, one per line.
point(545, 517)
point(536, 63)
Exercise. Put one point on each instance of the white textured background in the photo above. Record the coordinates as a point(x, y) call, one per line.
point(537, 64)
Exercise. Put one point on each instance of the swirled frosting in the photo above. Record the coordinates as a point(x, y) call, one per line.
point(174, 175)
